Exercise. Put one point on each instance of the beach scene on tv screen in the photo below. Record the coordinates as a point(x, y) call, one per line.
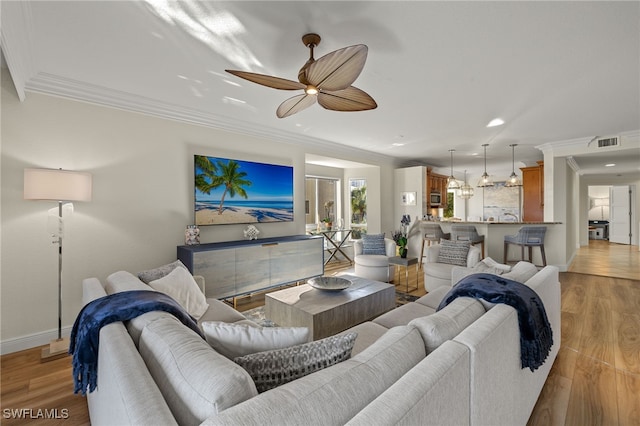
point(233, 191)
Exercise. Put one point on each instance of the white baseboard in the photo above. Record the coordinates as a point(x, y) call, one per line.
point(31, 341)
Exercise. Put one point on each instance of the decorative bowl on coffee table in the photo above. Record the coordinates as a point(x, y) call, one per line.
point(329, 283)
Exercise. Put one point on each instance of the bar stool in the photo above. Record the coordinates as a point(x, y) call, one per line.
point(430, 232)
point(527, 236)
point(467, 233)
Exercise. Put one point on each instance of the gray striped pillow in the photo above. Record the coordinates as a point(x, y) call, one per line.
point(373, 244)
point(453, 252)
point(270, 369)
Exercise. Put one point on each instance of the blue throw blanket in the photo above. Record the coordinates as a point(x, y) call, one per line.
point(536, 336)
point(115, 307)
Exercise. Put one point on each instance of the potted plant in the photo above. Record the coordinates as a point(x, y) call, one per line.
point(401, 242)
point(400, 237)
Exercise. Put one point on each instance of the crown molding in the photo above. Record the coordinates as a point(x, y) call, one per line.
point(54, 85)
point(16, 41)
point(563, 148)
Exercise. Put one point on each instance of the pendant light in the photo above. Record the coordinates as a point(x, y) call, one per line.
point(466, 190)
point(513, 180)
point(485, 179)
point(452, 183)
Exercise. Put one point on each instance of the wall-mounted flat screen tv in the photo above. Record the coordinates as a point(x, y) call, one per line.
point(234, 191)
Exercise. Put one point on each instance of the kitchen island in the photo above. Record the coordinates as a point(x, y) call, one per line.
point(494, 232)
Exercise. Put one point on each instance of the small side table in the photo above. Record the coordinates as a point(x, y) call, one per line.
point(406, 262)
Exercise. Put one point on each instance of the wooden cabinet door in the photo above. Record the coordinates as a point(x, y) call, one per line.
point(532, 193)
point(218, 267)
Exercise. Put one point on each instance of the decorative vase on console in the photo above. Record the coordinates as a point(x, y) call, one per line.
point(192, 235)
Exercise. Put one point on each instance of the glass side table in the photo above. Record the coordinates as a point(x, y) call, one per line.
point(405, 262)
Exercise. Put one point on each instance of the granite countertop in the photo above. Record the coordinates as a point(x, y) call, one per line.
point(452, 222)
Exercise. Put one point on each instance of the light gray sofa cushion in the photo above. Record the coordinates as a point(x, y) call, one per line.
point(434, 297)
point(368, 333)
point(448, 322)
point(126, 394)
point(403, 315)
point(195, 380)
point(334, 395)
point(434, 392)
point(124, 281)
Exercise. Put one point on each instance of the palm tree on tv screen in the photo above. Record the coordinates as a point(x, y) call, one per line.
point(222, 174)
point(232, 179)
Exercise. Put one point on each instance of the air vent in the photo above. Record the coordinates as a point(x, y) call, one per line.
point(613, 141)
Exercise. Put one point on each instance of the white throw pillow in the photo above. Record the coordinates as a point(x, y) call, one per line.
point(180, 285)
point(493, 264)
point(235, 340)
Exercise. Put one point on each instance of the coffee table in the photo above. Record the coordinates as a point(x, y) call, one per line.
point(326, 313)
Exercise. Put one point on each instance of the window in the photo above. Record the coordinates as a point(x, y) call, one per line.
point(358, 198)
point(322, 200)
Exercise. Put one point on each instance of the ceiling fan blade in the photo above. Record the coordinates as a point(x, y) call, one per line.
point(339, 69)
point(294, 105)
point(350, 99)
point(269, 81)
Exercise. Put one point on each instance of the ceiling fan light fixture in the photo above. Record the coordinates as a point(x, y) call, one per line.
point(513, 180)
point(485, 179)
point(326, 81)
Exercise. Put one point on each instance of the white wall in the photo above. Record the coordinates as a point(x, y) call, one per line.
point(142, 200)
point(410, 179)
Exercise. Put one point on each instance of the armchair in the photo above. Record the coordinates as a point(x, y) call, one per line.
point(439, 274)
point(374, 266)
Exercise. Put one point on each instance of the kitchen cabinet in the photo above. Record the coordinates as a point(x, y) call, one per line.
point(436, 183)
point(533, 193)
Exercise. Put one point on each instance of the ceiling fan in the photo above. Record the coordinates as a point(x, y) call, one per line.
point(327, 80)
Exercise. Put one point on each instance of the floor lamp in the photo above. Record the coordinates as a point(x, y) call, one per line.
point(57, 185)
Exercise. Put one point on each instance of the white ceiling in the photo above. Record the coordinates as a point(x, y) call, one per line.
point(439, 71)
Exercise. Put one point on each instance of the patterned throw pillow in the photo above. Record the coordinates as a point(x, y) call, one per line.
point(453, 252)
point(270, 369)
point(159, 272)
point(373, 244)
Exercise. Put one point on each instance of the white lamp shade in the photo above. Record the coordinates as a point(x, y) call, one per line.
point(57, 185)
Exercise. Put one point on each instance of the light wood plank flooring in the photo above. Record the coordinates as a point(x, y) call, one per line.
point(594, 381)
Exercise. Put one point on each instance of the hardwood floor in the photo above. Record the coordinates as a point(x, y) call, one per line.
point(595, 379)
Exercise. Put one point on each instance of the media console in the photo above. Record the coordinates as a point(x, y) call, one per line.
point(236, 268)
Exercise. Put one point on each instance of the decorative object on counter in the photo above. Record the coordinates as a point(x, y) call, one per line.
point(513, 180)
point(466, 191)
point(192, 235)
point(251, 232)
point(57, 185)
point(452, 183)
point(485, 179)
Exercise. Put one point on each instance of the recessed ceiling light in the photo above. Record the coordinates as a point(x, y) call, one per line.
point(495, 122)
point(397, 144)
point(610, 165)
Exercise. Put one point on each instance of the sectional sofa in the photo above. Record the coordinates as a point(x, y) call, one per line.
point(412, 365)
